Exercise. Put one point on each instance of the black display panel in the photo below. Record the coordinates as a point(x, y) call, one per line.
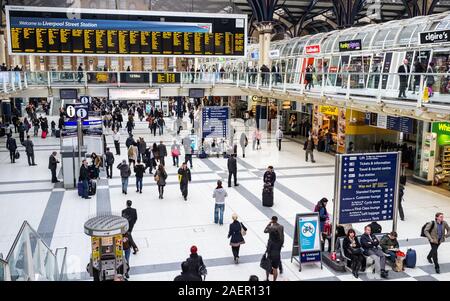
point(29, 40)
point(50, 30)
point(68, 94)
point(41, 40)
point(89, 41)
point(77, 41)
point(112, 41)
point(156, 43)
point(101, 41)
point(196, 93)
point(54, 40)
point(146, 44)
point(178, 43)
point(166, 78)
point(167, 43)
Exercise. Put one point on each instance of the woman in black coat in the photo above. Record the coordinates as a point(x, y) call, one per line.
point(352, 250)
point(237, 239)
point(274, 253)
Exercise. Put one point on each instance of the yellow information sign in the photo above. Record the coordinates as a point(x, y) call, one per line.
point(329, 110)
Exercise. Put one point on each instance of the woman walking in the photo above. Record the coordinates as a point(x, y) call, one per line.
point(160, 178)
point(132, 154)
point(274, 253)
point(219, 195)
point(236, 232)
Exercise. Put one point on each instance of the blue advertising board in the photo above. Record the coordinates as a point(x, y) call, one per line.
point(367, 187)
point(215, 122)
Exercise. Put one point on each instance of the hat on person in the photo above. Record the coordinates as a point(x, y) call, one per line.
point(193, 250)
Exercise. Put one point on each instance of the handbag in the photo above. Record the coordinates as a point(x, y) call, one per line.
point(265, 263)
point(175, 153)
point(156, 178)
point(17, 155)
point(243, 232)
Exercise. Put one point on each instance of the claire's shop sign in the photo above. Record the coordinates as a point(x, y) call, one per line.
point(430, 37)
point(311, 49)
point(352, 45)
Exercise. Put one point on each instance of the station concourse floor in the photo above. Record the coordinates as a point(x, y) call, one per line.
point(166, 229)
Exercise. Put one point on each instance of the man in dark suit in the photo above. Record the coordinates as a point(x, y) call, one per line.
point(11, 145)
point(84, 178)
point(404, 68)
point(52, 164)
point(232, 169)
point(131, 215)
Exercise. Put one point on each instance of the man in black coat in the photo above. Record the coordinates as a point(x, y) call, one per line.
point(109, 163)
point(29, 149)
point(403, 71)
point(129, 141)
point(52, 164)
point(232, 170)
point(162, 152)
point(131, 215)
point(184, 177)
point(11, 145)
point(270, 176)
point(195, 263)
point(84, 178)
point(186, 275)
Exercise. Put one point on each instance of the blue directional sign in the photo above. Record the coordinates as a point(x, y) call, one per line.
point(215, 122)
point(77, 111)
point(367, 187)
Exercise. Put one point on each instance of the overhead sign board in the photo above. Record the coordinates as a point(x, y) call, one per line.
point(274, 54)
point(311, 49)
point(77, 111)
point(102, 32)
point(133, 94)
point(215, 122)
point(166, 78)
point(329, 110)
point(442, 129)
point(434, 37)
point(351, 45)
point(367, 187)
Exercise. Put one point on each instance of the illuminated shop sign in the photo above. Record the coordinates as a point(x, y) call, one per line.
point(430, 37)
point(311, 49)
point(352, 45)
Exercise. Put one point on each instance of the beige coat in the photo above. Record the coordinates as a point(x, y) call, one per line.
point(433, 235)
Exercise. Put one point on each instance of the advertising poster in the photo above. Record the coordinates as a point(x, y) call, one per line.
point(341, 132)
point(309, 233)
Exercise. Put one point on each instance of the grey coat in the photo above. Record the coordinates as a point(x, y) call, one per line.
point(242, 140)
point(29, 147)
point(162, 178)
point(162, 150)
point(125, 170)
point(433, 234)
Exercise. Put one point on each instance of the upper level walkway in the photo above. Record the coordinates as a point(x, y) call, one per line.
point(376, 91)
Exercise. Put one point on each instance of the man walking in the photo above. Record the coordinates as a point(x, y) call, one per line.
point(29, 149)
point(232, 169)
point(279, 136)
point(162, 153)
point(131, 215)
point(52, 165)
point(243, 141)
point(274, 226)
point(184, 177)
point(139, 170)
point(11, 145)
point(436, 232)
point(309, 148)
point(116, 138)
point(403, 71)
point(125, 173)
point(84, 179)
point(80, 72)
point(187, 149)
point(109, 163)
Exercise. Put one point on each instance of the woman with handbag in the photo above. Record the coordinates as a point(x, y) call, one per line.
point(175, 149)
point(237, 232)
point(352, 250)
point(274, 254)
point(160, 178)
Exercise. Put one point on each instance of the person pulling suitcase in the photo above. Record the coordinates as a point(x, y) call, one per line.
point(269, 182)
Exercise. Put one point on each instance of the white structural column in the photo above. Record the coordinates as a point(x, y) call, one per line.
point(3, 49)
point(265, 35)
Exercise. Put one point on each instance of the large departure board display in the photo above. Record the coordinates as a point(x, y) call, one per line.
point(91, 32)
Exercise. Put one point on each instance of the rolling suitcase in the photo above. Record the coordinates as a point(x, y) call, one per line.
point(267, 196)
point(44, 135)
point(57, 133)
point(92, 187)
point(411, 258)
point(80, 188)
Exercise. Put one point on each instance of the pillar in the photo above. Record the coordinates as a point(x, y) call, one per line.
point(3, 49)
point(265, 36)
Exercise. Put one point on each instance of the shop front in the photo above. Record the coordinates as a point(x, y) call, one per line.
point(437, 147)
point(329, 128)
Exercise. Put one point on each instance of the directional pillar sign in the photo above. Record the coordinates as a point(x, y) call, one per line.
point(215, 122)
point(77, 111)
point(367, 187)
point(85, 100)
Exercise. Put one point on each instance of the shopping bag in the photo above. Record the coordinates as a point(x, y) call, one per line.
point(265, 263)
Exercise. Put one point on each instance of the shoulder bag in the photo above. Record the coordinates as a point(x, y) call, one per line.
point(243, 232)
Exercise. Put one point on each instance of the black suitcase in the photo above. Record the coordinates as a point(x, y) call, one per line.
point(58, 133)
point(92, 187)
point(267, 196)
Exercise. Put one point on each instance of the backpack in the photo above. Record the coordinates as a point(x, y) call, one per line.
point(422, 232)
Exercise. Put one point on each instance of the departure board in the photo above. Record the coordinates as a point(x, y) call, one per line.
point(188, 43)
point(156, 43)
point(101, 45)
point(219, 46)
point(89, 41)
point(77, 41)
point(145, 42)
point(29, 39)
point(124, 41)
point(41, 39)
point(56, 31)
point(199, 44)
point(112, 40)
point(165, 78)
point(17, 39)
point(229, 43)
point(135, 42)
point(209, 44)
point(177, 43)
point(66, 40)
point(167, 43)
point(54, 40)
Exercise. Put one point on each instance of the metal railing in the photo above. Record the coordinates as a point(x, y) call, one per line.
point(30, 259)
point(371, 85)
point(11, 81)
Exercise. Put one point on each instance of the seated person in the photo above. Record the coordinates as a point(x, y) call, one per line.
point(352, 250)
point(370, 243)
point(389, 245)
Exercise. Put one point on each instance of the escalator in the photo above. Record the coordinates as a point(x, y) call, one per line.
point(30, 259)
